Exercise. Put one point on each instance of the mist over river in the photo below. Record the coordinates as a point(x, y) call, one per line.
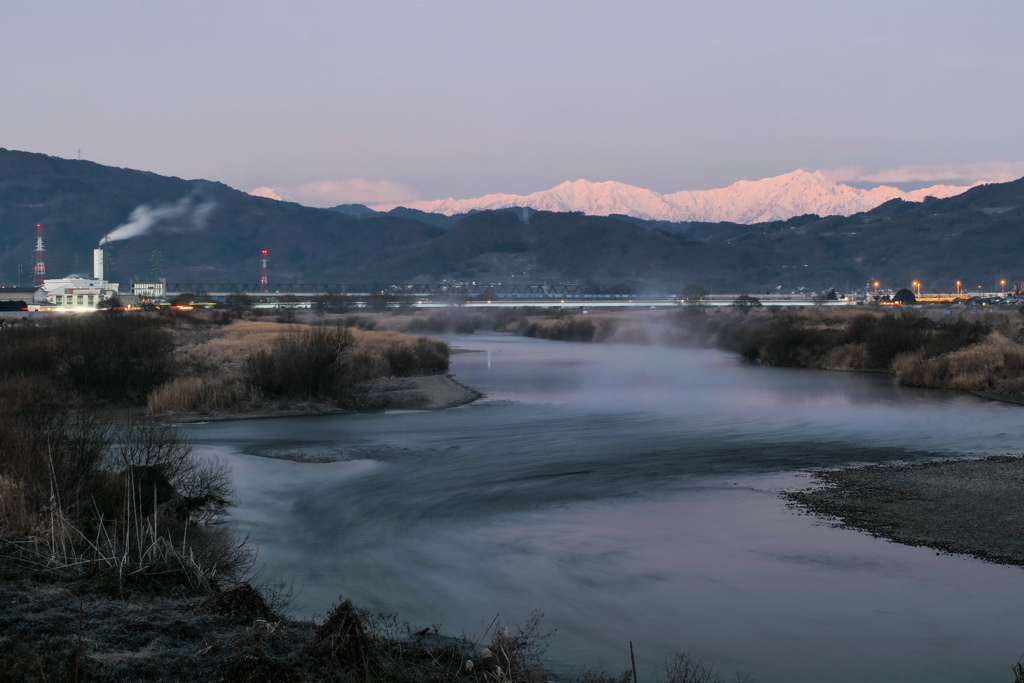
point(631, 493)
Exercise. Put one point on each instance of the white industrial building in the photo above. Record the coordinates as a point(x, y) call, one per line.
point(77, 293)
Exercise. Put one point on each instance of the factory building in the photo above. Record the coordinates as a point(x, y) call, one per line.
point(77, 293)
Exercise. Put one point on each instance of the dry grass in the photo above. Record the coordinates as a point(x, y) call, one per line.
point(214, 367)
point(387, 354)
point(228, 348)
point(118, 503)
point(15, 516)
point(233, 344)
point(979, 367)
point(847, 357)
point(574, 328)
point(140, 550)
point(684, 667)
point(194, 394)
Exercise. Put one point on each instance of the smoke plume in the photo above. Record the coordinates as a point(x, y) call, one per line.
point(185, 214)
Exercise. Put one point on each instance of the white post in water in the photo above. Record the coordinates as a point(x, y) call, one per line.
point(97, 264)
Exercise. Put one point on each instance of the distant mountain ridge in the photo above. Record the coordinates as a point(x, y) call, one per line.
point(777, 198)
point(976, 238)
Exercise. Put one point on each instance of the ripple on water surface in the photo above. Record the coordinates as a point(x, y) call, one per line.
point(629, 493)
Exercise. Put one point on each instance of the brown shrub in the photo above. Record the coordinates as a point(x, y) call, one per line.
point(15, 516)
point(847, 357)
point(241, 603)
point(228, 348)
point(383, 354)
point(249, 662)
point(569, 328)
point(124, 502)
point(200, 395)
point(305, 361)
point(341, 643)
point(981, 366)
point(106, 355)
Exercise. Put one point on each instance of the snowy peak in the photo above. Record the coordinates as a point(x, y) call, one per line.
point(746, 201)
point(270, 193)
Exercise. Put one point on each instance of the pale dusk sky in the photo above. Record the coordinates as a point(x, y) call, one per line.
point(385, 101)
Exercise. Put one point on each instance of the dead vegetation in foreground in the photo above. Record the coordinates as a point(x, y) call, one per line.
point(60, 632)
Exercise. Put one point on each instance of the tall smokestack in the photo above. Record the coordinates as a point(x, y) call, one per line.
point(97, 263)
point(40, 272)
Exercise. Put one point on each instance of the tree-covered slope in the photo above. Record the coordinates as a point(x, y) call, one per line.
point(207, 232)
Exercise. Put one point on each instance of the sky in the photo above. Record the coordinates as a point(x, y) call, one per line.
point(380, 101)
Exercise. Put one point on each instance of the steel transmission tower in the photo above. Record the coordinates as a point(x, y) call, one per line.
point(40, 271)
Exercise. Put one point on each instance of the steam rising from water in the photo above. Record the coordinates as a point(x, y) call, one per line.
point(629, 491)
point(185, 214)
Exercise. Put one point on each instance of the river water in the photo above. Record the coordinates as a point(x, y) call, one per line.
point(631, 493)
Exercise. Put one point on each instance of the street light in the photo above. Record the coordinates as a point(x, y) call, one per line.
point(1002, 286)
point(918, 285)
point(958, 288)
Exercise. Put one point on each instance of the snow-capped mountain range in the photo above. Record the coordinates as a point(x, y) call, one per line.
point(746, 201)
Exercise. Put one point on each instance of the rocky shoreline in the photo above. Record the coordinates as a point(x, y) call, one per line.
point(969, 506)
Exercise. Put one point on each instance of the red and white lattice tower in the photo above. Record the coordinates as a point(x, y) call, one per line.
point(40, 271)
point(263, 277)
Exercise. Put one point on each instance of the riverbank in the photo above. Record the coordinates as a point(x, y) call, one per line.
point(952, 347)
point(114, 562)
point(970, 507)
point(429, 392)
point(424, 392)
point(265, 369)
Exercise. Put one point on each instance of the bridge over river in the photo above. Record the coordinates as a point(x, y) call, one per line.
point(443, 295)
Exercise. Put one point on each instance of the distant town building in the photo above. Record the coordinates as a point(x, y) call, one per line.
point(16, 298)
point(150, 290)
point(76, 293)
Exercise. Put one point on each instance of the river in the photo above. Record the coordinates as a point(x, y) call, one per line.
point(631, 493)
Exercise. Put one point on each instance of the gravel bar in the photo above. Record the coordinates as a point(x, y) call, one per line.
point(970, 507)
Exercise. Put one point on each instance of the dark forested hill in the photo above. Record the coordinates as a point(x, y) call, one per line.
point(207, 232)
point(976, 237)
point(203, 231)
